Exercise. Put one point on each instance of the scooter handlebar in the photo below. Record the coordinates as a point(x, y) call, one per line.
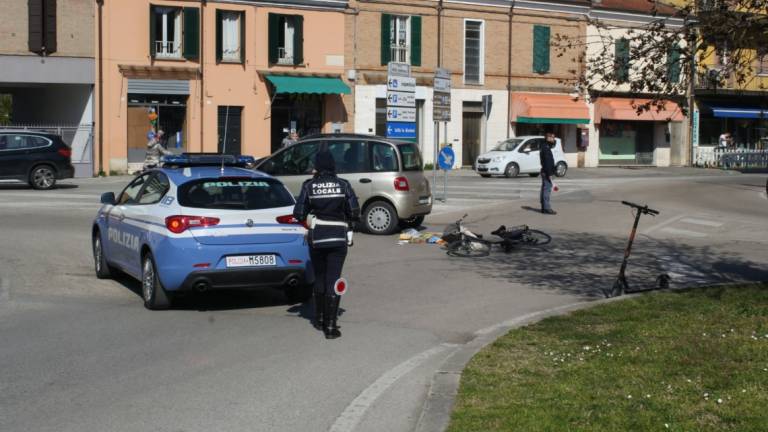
point(643, 209)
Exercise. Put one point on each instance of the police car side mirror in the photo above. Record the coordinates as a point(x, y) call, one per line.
point(108, 198)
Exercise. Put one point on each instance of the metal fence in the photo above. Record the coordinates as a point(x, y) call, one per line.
point(78, 137)
point(736, 159)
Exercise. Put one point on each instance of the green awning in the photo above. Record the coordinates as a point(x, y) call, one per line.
point(544, 120)
point(300, 84)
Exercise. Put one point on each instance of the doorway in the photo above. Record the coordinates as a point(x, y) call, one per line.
point(230, 126)
point(301, 112)
point(471, 123)
point(171, 113)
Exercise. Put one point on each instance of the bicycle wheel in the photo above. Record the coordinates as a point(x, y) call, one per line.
point(468, 249)
point(534, 237)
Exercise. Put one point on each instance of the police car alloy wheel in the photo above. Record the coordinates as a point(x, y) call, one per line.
point(152, 291)
point(100, 263)
point(380, 218)
point(561, 169)
point(42, 177)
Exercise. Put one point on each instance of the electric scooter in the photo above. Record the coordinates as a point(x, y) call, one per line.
point(620, 286)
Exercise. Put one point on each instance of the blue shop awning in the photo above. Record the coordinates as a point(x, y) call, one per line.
point(739, 112)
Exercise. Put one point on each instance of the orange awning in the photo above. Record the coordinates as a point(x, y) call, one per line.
point(622, 109)
point(548, 108)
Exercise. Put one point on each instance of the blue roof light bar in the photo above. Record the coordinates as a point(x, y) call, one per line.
point(207, 159)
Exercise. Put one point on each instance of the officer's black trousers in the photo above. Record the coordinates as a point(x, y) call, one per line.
point(327, 264)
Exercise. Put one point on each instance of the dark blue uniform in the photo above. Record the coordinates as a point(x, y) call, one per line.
point(332, 208)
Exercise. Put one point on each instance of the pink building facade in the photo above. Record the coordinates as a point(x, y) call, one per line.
point(215, 76)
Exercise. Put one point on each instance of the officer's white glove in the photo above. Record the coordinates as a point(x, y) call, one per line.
point(350, 242)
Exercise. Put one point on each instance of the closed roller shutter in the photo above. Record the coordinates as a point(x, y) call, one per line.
point(167, 87)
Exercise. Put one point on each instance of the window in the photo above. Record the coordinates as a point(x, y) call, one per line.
point(230, 36)
point(531, 145)
point(673, 64)
point(473, 52)
point(286, 39)
point(22, 142)
point(384, 158)
point(507, 145)
point(129, 194)
point(621, 60)
point(42, 26)
point(166, 32)
point(350, 156)
point(411, 157)
point(235, 194)
point(401, 39)
point(762, 63)
point(541, 49)
point(156, 188)
point(295, 160)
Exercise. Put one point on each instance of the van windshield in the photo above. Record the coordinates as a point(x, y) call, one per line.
point(411, 157)
point(507, 145)
point(235, 193)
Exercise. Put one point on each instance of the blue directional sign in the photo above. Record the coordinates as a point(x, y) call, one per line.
point(446, 158)
point(401, 130)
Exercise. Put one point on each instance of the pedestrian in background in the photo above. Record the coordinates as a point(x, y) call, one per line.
point(329, 205)
point(289, 139)
point(547, 171)
point(155, 150)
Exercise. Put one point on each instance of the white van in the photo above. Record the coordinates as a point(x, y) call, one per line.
point(519, 155)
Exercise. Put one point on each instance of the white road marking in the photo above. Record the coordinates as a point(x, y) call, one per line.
point(702, 222)
point(684, 232)
point(669, 221)
point(355, 411)
point(50, 195)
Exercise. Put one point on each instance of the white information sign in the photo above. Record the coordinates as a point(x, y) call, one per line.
point(397, 114)
point(401, 99)
point(401, 84)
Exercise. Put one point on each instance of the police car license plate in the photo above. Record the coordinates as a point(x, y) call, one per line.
point(251, 261)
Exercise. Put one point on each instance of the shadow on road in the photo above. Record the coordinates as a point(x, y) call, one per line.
point(24, 186)
point(582, 264)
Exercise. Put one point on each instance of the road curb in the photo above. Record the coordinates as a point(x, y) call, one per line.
point(437, 408)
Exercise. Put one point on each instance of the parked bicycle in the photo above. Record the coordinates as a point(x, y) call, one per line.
point(461, 242)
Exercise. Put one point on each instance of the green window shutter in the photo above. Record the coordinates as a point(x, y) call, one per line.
point(298, 40)
point(49, 23)
point(416, 41)
point(152, 35)
point(35, 22)
point(191, 48)
point(242, 37)
point(386, 49)
point(219, 39)
point(274, 36)
point(541, 49)
point(621, 62)
point(673, 64)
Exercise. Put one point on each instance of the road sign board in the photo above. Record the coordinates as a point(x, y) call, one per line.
point(442, 73)
point(487, 104)
point(401, 84)
point(441, 114)
point(401, 99)
point(398, 69)
point(442, 85)
point(441, 100)
point(401, 130)
point(397, 114)
point(446, 158)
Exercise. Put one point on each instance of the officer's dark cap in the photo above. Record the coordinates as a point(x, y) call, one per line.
point(324, 162)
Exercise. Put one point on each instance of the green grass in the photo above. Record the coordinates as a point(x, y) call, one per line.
point(674, 361)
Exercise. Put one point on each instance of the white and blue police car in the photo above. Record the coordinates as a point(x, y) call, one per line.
point(202, 222)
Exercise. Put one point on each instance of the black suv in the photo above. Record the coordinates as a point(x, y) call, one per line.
point(37, 158)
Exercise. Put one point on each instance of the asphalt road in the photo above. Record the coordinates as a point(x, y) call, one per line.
point(81, 354)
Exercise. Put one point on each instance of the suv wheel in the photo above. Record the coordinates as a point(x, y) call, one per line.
point(42, 177)
point(560, 169)
point(380, 217)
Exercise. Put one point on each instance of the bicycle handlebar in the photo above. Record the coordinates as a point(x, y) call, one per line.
point(642, 209)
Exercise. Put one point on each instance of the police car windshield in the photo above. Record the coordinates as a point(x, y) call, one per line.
point(234, 194)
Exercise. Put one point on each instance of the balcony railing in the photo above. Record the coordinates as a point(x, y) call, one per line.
point(399, 53)
point(168, 49)
point(284, 57)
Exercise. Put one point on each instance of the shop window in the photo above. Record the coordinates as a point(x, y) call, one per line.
point(42, 26)
point(621, 60)
point(230, 36)
point(401, 39)
point(165, 32)
point(541, 54)
point(286, 39)
point(473, 52)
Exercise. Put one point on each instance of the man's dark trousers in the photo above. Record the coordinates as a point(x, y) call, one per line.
point(546, 191)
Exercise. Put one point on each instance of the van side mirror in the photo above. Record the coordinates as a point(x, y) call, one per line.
point(108, 198)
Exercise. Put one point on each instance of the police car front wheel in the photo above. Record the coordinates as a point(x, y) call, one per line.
point(155, 297)
point(103, 271)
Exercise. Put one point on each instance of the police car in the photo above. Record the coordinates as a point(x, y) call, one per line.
point(202, 222)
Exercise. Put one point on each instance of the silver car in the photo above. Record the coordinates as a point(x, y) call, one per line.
point(387, 176)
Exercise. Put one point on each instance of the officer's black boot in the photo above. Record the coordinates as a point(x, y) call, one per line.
point(330, 328)
point(317, 323)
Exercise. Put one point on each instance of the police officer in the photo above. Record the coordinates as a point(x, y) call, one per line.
point(330, 205)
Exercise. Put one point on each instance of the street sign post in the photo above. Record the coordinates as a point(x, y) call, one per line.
point(487, 104)
point(446, 160)
point(401, 101)
point(441, 111)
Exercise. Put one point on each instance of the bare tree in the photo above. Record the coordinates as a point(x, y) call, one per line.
point(714, 43)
